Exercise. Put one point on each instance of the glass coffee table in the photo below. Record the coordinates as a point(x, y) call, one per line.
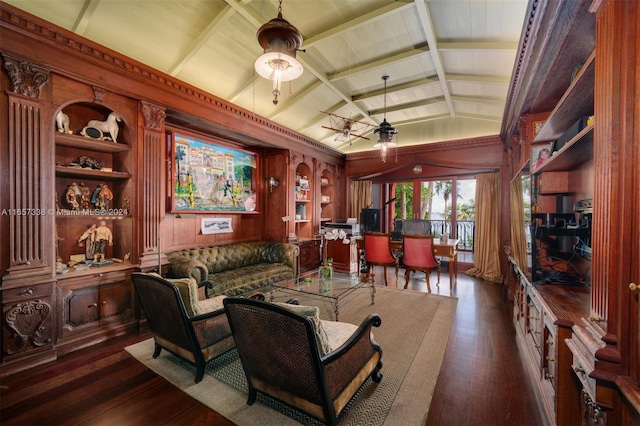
point(333, 290)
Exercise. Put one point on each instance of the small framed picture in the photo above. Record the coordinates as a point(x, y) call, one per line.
point(540, 153)
point(537, 126)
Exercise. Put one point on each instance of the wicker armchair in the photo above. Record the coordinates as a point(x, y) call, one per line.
point(195, 331)
point(282, 356)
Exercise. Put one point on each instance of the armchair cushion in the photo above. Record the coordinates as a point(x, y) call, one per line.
point(338, 332)
point(313, 312)
point(188, 288)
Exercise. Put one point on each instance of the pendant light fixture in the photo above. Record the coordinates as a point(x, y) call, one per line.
point(280, 41)
point(385, 130)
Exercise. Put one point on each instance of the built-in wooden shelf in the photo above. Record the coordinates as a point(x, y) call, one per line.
point(576, 102)
point(573, 153)
point(80, 142)
point(64, 171)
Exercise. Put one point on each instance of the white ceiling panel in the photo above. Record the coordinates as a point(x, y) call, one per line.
point(448, 61)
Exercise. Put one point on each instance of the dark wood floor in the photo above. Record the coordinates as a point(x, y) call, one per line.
point(482, 381)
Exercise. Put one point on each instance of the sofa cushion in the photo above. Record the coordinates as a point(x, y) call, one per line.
point(238, 282)
point(313, 312)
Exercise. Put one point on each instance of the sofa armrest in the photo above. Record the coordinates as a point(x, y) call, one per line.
point(290, 255)
point(186, 267)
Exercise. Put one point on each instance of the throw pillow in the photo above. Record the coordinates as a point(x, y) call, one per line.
point(313, 312)
point(188, 288)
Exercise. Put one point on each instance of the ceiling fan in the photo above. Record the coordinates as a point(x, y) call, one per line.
point(346, 127)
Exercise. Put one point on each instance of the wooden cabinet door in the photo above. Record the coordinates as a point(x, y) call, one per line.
point(115, 302)
point(80, 307)
point(305, 256)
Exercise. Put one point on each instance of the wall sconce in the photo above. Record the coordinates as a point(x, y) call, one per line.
point(272, 182)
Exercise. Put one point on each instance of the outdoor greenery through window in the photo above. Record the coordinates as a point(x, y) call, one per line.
point(436, 205)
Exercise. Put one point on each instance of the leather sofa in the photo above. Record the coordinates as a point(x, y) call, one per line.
point(235, 269)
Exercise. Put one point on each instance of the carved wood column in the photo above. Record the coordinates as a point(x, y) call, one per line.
point(152, 200)
point(29, 202)
point(27, 221)
point(616, 198)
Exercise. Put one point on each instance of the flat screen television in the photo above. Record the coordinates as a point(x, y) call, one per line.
point(370, 220)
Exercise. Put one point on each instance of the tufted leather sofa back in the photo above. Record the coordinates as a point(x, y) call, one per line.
point(233, 256)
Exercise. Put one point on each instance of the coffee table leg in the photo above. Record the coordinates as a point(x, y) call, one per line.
point(335, 309)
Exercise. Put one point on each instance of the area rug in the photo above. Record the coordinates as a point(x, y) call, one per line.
point(413, 336)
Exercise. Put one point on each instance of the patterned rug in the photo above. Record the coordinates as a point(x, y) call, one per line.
point(413, 336)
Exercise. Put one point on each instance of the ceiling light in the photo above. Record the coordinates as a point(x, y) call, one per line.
point(385, 130)
point(280, 41)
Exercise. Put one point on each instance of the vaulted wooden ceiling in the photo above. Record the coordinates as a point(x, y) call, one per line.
point(449, 62)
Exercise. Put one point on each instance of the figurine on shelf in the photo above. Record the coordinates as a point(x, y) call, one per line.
point(110, 125)
point(58, 239)
point(101, 197)
point(62, 122)
point(85, 198)
point(126, 204)
point(73, 196)
point(103, 236)
point(88, 240)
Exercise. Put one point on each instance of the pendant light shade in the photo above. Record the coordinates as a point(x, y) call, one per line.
point(280, 41)
point(385, 131)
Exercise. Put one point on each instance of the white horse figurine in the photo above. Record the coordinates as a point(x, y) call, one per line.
point(109, 126)
point(62, 121)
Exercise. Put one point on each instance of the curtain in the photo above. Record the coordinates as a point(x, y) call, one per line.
point(487, 259)
point(518, 237)
point(361, 191)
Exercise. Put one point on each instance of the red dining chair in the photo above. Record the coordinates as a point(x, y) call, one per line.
point(377, 252)
point(418, 255)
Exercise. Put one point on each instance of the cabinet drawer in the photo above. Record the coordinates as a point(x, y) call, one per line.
point(26, 293)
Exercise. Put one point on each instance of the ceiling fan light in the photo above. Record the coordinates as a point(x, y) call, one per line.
point(385, 130)
point(380, 144)
point(272, 65)
point(280, 41)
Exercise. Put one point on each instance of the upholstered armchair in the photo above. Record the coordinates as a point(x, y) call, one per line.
point(195, 330)
point(377, 252)
point(288, 353)
point(418, 255)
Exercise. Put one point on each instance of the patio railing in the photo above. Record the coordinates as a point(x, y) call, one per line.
point(465, 232)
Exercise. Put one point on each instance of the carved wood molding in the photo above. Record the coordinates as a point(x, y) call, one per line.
point(521, 63)
point(459, 144)
point(154, 115)
point(26, 78)
point(98, 94)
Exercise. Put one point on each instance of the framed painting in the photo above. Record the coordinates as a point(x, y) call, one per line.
point(208, 176)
